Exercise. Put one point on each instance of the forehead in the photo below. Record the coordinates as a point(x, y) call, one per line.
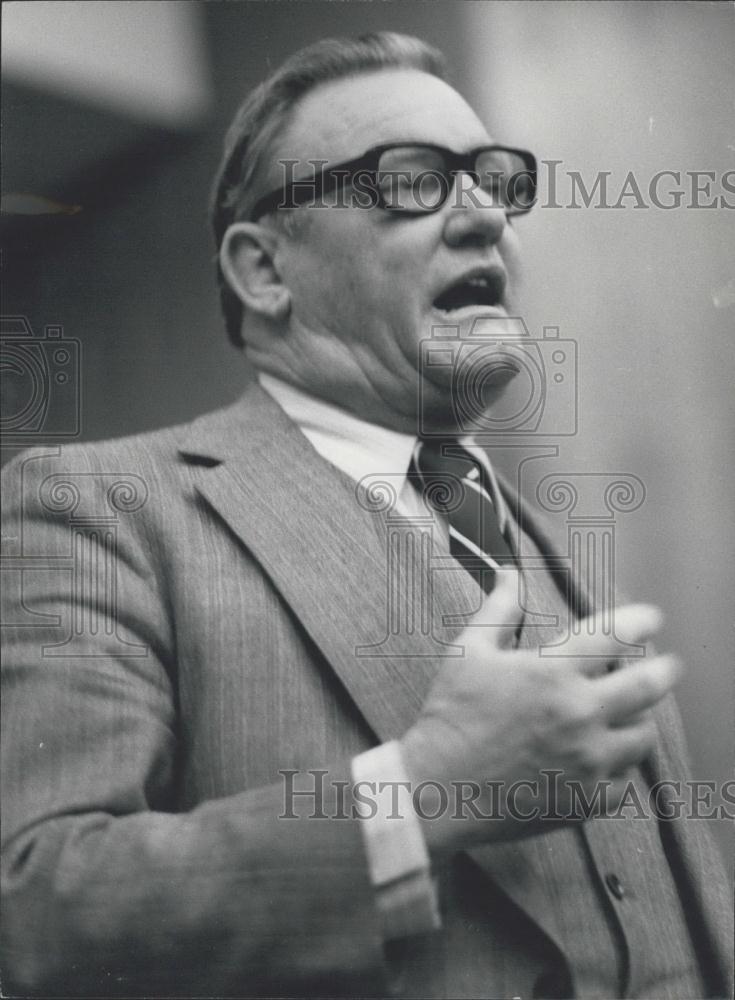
point(341, 119)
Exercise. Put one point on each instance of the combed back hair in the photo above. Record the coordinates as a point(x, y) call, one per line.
point(267, 109)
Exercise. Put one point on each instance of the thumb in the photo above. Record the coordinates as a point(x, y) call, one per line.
point(501, 611)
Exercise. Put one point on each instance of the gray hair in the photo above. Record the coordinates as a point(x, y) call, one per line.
point(266, 110)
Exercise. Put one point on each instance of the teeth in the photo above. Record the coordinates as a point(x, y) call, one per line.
point(477, 290)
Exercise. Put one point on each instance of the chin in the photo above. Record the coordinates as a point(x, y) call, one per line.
point(436, 412)
point(444, 409)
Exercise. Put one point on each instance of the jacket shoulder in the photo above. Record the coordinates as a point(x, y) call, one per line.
point(157, 450)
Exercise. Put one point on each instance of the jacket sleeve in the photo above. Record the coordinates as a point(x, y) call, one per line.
point(107, 891)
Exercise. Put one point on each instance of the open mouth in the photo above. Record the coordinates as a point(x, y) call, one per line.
point(475, 291)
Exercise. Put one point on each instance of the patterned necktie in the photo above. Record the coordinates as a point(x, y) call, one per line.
point(458, 485)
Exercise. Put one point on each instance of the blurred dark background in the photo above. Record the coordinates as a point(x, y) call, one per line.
point(113, 117)
point(131, 274)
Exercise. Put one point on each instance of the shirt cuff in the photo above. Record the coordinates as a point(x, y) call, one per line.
point(398, 860)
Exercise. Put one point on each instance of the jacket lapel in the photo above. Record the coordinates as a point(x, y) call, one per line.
point(327, 556)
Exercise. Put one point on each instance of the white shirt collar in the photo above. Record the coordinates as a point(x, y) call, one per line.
point(359, 448)
point(356, 447)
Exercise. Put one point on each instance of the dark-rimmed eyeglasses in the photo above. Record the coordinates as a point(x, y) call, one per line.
point(412, 178)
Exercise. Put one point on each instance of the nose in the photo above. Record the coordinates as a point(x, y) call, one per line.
point(472, 219)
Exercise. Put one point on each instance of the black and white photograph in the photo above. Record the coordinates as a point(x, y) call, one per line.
point(367, 557)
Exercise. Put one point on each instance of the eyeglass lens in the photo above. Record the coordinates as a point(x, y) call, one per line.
point(416, 179)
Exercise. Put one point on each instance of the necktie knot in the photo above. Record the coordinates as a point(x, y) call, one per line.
point(457, 485)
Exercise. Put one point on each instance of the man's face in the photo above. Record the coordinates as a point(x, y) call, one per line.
point(364, 283)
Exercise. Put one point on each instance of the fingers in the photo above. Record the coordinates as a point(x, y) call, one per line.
point(501, 613)
point(634, 624)
point(637, 622)
point(625, 693)
point(622, 748)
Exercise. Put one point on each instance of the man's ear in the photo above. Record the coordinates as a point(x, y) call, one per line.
point(247, 259)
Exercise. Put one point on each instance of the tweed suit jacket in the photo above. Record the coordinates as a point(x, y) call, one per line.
point(148, 718)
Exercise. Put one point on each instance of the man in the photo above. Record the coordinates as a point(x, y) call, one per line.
point(199, 701)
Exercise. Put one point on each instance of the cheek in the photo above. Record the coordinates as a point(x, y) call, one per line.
point(350, 271)
point(332, 293)
point(338, 259)
point(510, 251)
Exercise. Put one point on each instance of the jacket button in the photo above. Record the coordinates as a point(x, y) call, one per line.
point(615, 886)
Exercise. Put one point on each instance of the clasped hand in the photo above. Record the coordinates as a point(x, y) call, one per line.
point(509, 716)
